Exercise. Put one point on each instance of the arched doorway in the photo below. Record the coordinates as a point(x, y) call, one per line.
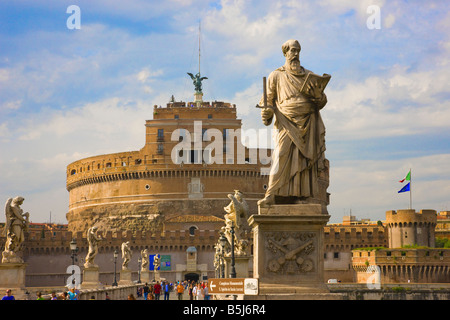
point(191, 277)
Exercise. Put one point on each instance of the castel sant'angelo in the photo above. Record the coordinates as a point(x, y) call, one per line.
point(192, 158)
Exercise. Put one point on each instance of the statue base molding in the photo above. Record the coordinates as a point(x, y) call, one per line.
point(240, 265)
point(145, 276)
point(125, 278)
point(12, 276)
point(91, 278)
point(156, 276)
point(288, 249)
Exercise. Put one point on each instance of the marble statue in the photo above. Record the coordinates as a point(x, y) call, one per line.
point(145, 260)
point(16, 225)
point(126, 255)
point(237, 214)
point(156, 262)
point(93, 241)
point(294, 104)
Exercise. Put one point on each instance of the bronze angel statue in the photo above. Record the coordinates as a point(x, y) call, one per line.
point(197, 81)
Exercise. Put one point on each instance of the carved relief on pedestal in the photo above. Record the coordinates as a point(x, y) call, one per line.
point(290, 252)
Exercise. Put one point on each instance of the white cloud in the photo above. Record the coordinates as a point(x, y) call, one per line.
point(371, 187)
point(93, 94)
point(4, 75)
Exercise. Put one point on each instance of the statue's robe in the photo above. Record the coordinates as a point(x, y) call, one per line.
point(300, 138)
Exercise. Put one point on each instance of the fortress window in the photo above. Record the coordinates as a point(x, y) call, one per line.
point(160, 135)
point(192, 230)
point(160, 148)
point(137, 161)
point(147, 187)
point(124, 164)
point(177, 116)
point(108, 165)
point(336, 255)
point(209, 116)
point(73, 172)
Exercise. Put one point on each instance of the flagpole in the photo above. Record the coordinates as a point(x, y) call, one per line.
point(410, 189)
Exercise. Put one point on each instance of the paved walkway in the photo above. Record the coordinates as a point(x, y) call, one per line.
point(172, 296)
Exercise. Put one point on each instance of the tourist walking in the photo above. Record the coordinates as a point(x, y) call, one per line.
point(8, 295)
point(72, 294)
point(157, 290)
point(146, 291)
point(180, 291)
point(199, 293)
point(166, 290)
point(191, 291)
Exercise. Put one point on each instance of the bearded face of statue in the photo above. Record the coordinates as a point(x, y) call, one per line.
point(291, 50)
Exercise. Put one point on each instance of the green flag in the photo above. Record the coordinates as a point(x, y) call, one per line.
point(407, 178)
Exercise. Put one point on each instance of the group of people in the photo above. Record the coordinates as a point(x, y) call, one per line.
point(196, 291)
point(71, 294)
point(154, 291)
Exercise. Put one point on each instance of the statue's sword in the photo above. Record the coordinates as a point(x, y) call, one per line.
point(264, 99)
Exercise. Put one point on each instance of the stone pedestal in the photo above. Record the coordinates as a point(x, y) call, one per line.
point(288, 248)
point(146, 276)
point(240, 265)
point(91, 278)
point(12, 276)
point(156, 276)
point(125, 278)
point(198, 99)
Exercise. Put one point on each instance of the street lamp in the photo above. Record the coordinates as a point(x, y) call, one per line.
point(223, 242)
point(139, 270)
point(74, 250)
point(116, 254)
point(233, 270)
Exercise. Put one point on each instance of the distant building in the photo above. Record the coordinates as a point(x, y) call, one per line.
point(192, 158)
point(442, 230)
point(411, 255)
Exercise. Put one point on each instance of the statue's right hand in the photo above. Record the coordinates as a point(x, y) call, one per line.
point(266, 114)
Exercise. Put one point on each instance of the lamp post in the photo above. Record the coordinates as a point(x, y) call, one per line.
point(233, 270)
point(139, 270)
point(223, 242)
point(116, 254)
point(74, 250)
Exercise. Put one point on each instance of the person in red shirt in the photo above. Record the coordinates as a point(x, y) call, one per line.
point(157, 290)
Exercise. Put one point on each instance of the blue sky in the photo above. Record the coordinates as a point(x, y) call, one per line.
point(68, 94)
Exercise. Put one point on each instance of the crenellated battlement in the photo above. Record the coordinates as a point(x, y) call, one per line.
point(49, 242)
point(350, 237)
point(410, 216)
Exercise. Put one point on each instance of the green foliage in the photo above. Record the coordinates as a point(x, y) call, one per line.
point(414, 246)
point(442, 243)
point(371, 248)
